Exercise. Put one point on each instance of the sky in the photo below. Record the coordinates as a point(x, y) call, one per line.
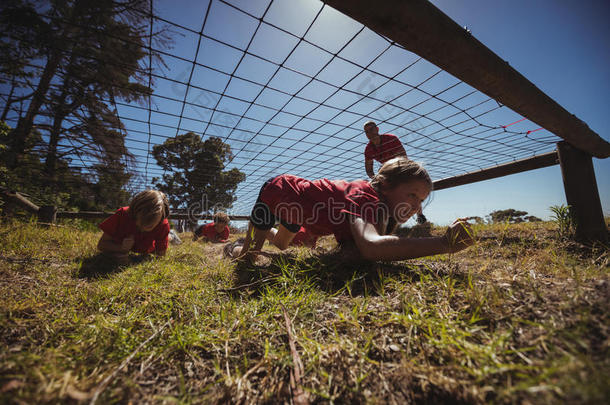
point(289, 83)
point(563, 47)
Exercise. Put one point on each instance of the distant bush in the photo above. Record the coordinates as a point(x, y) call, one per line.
point(512, 216)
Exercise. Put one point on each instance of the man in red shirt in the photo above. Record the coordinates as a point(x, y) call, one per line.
point(382, 148)
point(217, 231)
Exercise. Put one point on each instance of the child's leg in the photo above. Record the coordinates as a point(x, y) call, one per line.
point(271, 235)
point(247, 242)
point(259, 239)
point(282, 237)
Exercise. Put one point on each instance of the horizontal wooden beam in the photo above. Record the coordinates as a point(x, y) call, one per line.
point(523, 165)
point(425, 30)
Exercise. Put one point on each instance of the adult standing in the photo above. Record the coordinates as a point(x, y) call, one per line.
point(382, 148)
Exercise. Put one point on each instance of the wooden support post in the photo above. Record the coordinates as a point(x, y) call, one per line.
point(581, 193)
point(47, 214)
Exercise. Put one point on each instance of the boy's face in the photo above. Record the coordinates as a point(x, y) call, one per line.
point(219, 226)
point(371, 131)
point(405, 199)
point(151, 223)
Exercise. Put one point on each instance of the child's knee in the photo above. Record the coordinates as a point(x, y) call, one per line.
point(281, 244)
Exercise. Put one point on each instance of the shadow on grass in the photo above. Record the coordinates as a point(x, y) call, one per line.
point(98, 266)
point(334, 272)
point(101, 266)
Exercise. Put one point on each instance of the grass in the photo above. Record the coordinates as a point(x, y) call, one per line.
point(522, 317)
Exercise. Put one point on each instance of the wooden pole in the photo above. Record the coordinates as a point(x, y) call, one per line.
point(536, 162)
point(425, 30)
point(581, 193)
point(47, 214)
point(18, 199)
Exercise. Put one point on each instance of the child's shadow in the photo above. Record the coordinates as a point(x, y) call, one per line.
point(334, 272)
point(101, 266)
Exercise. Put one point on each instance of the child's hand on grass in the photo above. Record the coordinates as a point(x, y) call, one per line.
point(127, 243)
point(122, 259)
point(459, 235)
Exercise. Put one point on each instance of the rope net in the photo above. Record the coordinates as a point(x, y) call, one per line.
point(288, 85)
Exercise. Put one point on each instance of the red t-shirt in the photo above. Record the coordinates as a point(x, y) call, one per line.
point(304, 237)
point(389, 147)
point(322, 206)
point(121, 225)
point(209, 232)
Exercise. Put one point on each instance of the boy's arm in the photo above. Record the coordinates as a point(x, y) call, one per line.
point(224, 236)
point(162, 241)
point(196, 234)
point(252, 235)
point(373, 246)
point(368, 165)
point(108, 245)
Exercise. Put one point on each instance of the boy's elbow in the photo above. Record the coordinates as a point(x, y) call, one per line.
point(368, 254)
point(367, 250)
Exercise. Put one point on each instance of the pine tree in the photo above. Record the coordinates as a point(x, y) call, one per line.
point(92, 52)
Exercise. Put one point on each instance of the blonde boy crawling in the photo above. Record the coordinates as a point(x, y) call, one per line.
point(217, 231)
point(141, 227)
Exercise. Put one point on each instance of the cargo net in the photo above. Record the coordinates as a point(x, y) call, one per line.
point(288, 85)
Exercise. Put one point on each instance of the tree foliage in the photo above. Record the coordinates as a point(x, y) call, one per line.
point(101, 188)
point(197, 177)
point(91, 52)
point(23, 28)
point(512, 216)
point(65, 64)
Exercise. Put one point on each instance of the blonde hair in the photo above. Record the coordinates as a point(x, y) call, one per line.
point(147, 204)
point(397, 171)
point(221, 217)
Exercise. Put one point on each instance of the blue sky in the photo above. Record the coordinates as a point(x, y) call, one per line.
point(305, 117)
point(560, 46)
point(563, 47)
point(556, 47)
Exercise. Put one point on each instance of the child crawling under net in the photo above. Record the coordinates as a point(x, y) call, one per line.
point(358, 212)
point(142, 227)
